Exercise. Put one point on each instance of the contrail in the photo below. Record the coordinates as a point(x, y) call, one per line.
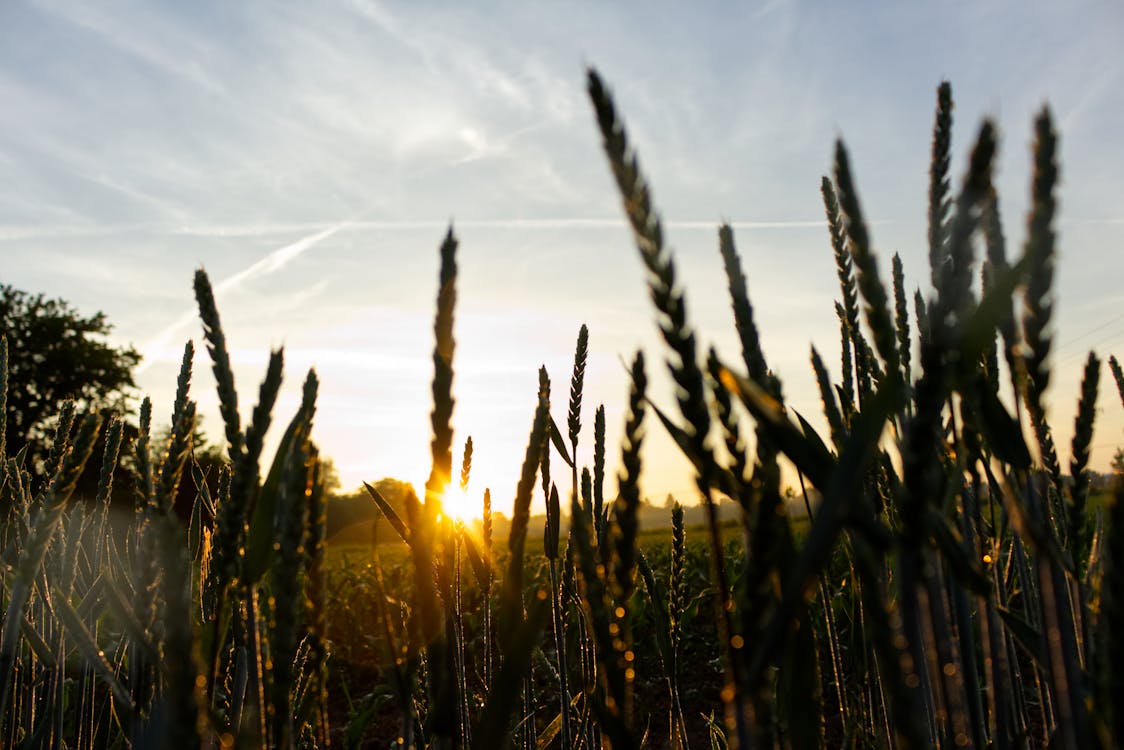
point(271, 263)
point(23, 233)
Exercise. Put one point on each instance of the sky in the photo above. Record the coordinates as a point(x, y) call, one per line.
point(311, 156)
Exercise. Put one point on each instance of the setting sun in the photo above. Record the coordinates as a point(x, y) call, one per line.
point(461, 505)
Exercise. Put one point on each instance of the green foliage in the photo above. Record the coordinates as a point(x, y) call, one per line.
point(55, 354)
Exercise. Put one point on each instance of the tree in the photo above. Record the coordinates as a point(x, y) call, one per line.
point(1118, 461)
point(329, 476)
point(54, 354)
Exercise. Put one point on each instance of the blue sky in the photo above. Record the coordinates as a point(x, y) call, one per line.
point(310, 156)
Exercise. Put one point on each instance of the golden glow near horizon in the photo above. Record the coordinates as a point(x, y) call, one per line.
point(461, 505)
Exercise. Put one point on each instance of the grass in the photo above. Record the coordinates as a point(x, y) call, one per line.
point(952, 587)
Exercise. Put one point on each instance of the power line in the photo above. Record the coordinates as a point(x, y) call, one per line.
point(1090, 332)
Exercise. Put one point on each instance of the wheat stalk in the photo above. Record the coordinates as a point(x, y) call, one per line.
point(224, 376)
point(901, 318)
point(1078, 467)
point(939, 201)
point(684, 368)
point(743, 311)
point(625, 530)
point(870, 285)
point(3, 404)
point(1039, 249)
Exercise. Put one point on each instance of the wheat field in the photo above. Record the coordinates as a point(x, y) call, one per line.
point(949, 583)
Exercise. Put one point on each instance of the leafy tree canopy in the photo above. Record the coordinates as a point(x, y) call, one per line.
point(55, 353)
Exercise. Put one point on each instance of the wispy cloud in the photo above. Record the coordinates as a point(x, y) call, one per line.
point(271, 263)
point(151, 49)
point(323, 230)
point(1101, 83)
